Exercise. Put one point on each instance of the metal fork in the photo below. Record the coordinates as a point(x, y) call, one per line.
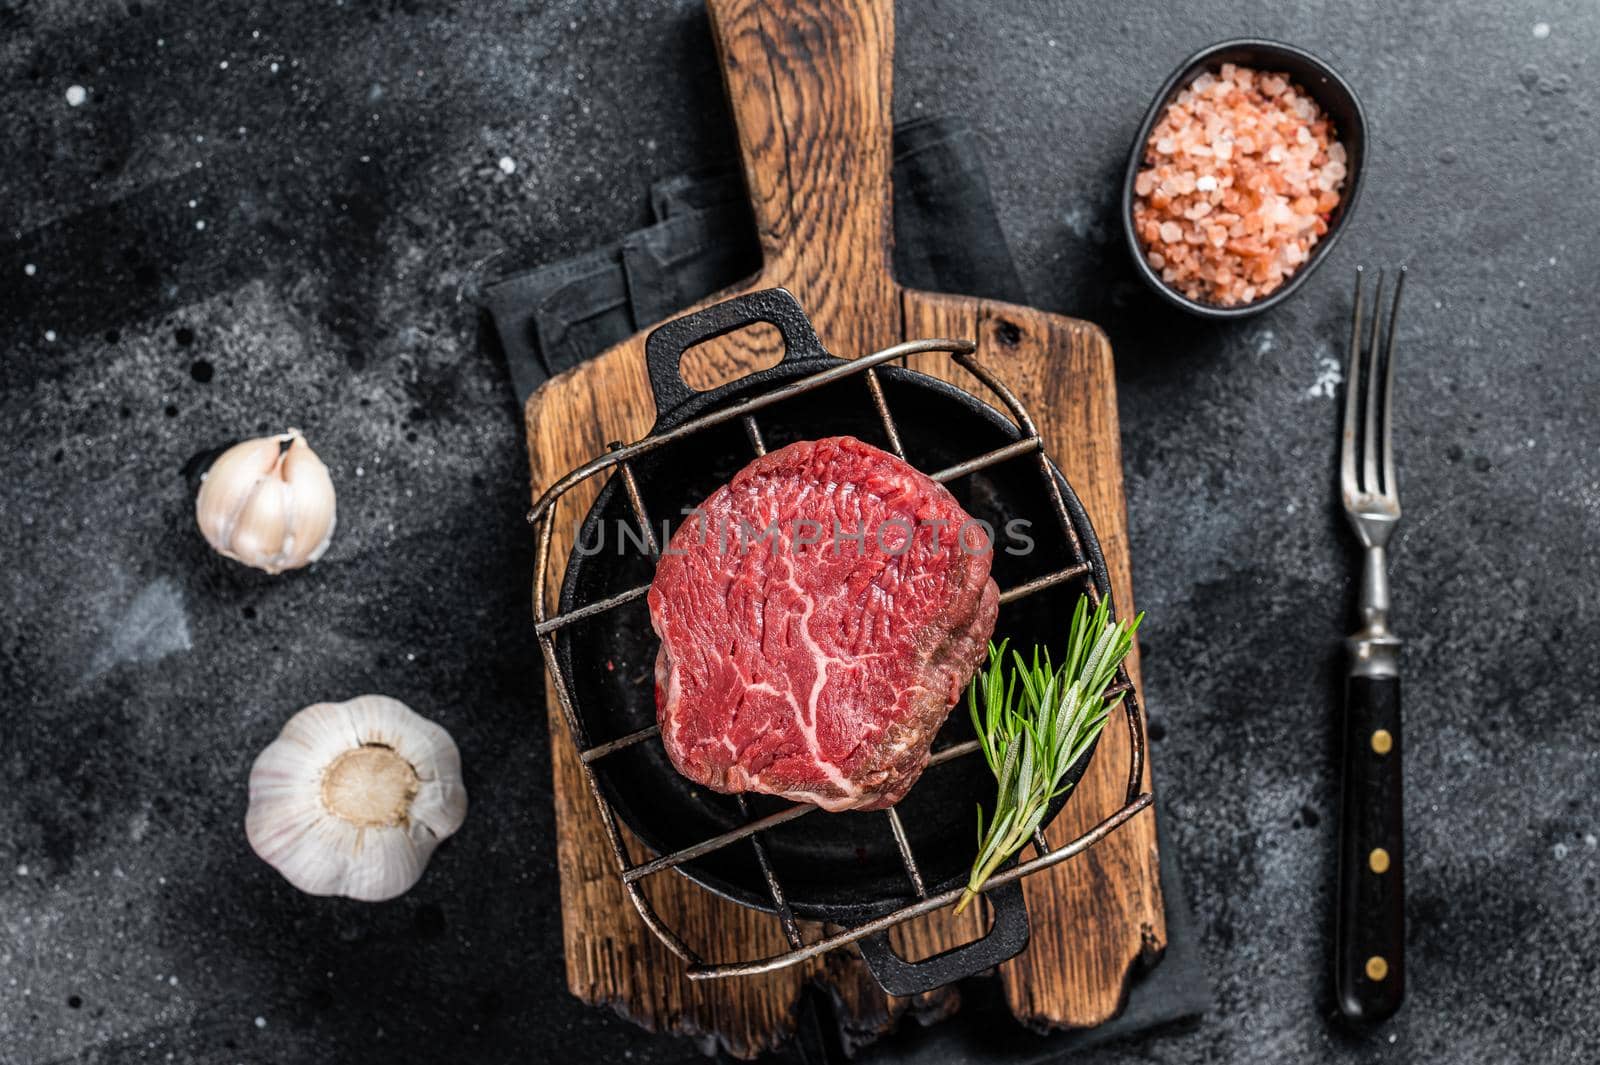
point(1369, 960)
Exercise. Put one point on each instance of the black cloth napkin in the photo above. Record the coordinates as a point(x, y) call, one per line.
point(947, 239)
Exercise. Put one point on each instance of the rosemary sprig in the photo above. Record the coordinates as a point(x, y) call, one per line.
point(1034, 721)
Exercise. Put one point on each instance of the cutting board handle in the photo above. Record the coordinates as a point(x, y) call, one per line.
point(809, 84)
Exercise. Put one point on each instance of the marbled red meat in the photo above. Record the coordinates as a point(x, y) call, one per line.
point(819, 616)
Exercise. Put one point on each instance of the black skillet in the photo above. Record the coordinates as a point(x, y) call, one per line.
point(841, 868)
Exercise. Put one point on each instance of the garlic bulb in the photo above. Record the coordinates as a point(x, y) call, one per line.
point(352, 798)
point(268, 503)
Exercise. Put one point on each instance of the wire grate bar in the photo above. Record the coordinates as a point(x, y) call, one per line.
point(952, 752)
point(791, 930)
point(1039, 584)
point(600, 750)
point(753, 431)
point(715, 843)
point(635, 500)
point(1130, 707)
point(875, 387)
point(1059, 504)
point(589, 610)
point(1027, 445)
point(908, 859)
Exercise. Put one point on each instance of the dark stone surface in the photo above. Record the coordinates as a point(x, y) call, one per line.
point(350, 198)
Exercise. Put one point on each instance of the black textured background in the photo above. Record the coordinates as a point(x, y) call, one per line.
point(343, 159)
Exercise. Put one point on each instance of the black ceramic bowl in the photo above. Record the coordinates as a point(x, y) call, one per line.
point(1337, 100)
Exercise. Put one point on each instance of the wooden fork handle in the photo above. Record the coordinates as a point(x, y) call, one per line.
point(1369, 954)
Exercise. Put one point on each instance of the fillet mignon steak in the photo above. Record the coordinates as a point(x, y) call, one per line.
point(819, 615)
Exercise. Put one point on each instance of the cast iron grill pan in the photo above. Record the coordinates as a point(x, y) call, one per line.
point(844, 868)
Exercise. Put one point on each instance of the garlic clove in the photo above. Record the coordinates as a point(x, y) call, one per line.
point(308, 480)
point(391, 864)
point(262, 528)
point(268, 503)
point(352, 798)
point(228, 485)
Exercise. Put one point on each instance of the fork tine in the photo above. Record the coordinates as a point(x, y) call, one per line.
point(1369, 445)
point(1390, 488)
point(1352, 389)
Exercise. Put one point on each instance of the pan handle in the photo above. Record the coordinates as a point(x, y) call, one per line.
point(663, 350)
point(1004, 941)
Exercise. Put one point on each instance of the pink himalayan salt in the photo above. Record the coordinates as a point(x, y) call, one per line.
point(1242, 173)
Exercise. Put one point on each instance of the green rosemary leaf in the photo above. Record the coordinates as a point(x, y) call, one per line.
point(997, 837)
point(997, 693)
point(1025, 774)
point(1008, 767)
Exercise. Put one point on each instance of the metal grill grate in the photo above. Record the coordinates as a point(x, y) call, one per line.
point(620, 459)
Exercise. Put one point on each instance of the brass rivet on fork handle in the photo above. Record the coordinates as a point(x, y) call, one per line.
point(1369, 951)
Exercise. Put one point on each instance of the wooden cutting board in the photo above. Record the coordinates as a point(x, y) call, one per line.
point(809, 82)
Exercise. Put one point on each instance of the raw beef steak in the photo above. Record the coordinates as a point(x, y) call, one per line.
point(818, 616)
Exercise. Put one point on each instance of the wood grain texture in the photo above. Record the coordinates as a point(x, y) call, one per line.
point(809, 85)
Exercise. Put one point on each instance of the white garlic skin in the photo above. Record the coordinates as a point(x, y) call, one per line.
point(268, 503)
point(292, 826)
